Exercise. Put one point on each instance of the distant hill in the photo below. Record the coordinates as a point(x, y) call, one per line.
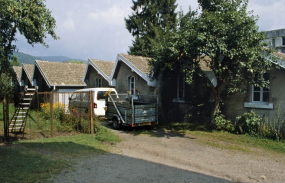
point(25, 58)
point(29, 59)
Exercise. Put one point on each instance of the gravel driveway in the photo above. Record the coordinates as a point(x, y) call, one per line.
point(174, 158)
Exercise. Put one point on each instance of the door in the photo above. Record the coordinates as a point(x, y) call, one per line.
point(100, 101)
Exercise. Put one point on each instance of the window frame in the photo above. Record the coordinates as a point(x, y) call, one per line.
point(261, 92)
point(132, 90)
point(98, 82)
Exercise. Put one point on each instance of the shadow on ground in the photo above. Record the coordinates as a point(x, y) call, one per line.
point(165, 131)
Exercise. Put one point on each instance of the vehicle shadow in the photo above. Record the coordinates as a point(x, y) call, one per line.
point(153, 131)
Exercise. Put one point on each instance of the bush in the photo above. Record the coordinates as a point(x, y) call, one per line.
point(220, 123)
point(249, 123)
point(58, 110)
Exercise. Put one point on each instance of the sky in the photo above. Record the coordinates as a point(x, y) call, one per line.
point(96, 29)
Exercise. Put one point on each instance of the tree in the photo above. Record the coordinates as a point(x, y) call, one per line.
point(150, 19)
point(31, 19)
point(15, 61)
point(224, 32)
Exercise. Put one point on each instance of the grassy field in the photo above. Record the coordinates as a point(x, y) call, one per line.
point(226, 140)
point(37, 160)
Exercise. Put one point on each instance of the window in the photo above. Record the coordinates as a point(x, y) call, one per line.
point(101, 95)
point(260, 94)
point(98, 82)
point(180, 87)
point(283, 41)
point(132, 85)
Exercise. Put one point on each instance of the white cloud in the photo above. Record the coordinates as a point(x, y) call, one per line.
point(68, 22)
point(114, 15)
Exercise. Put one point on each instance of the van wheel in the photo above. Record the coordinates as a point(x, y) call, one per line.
point(116, 124)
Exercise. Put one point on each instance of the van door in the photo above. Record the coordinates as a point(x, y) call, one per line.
point(100, 101)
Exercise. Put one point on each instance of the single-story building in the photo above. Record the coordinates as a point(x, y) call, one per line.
point(97, 73)
point(131, 73)
point(265, 101)
point(60, 77)
point(26, 75)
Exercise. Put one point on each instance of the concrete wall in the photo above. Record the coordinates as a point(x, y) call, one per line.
point(122, 75)
point(92, 76)
point(234, 105)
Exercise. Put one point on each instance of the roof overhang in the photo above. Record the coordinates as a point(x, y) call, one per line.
point(27, 74)
point(146, 77)
point(107, 78)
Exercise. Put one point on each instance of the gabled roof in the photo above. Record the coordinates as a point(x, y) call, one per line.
point(279, 59)
point(29, 70)
point(138, 64)
point(104, 68)
point(18, 71)
point(61, 74)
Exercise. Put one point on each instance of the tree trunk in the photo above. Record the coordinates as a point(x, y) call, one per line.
point(6, 117)
point(215, 106)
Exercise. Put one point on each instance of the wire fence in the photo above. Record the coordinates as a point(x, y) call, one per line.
point(53, 114)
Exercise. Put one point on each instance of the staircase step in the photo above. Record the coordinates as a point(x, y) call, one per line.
point(31, 89)
point(17, 128)
point(24, 103)
point(18, 124)
point(14, 117)
point(18, 120)
point(24, 108)
point(27, 98)
point(23, 112)
point(29, 93)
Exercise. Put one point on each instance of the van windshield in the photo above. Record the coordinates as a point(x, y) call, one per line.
point(100, 95)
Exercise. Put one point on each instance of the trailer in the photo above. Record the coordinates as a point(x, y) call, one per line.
point(133, 111)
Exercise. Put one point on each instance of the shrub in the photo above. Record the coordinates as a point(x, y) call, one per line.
point(249, 123)
point(220, 123)
point(58, 110)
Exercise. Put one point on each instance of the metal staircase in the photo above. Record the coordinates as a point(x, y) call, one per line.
point(19, 119)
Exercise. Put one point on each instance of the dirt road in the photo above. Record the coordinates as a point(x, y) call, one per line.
point(168, 157)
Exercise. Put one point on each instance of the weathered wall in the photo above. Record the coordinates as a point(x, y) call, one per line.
point(122, 75)
point(26, 80)
point(42, 85)
point(92, 75)
point(234, 105)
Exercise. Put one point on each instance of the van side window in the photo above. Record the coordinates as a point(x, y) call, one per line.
point(74, 95)
point(100, 95)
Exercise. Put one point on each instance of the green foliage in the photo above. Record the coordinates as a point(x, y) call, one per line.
point(29, 18)
point(224, 37)
point(76, 61)
point(249, 123)
point(220, 123)
point(150, 19)
point(5, 85)
point(15, 61)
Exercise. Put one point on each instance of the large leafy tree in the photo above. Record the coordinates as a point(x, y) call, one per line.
point(29, 18)
point(227, 34)
point(150, 19)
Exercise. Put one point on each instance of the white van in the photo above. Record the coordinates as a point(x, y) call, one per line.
point(80, 100)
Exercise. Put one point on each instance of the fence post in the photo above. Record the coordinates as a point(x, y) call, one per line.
point(91, 111)
point(6, 128)
point(51, 113)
